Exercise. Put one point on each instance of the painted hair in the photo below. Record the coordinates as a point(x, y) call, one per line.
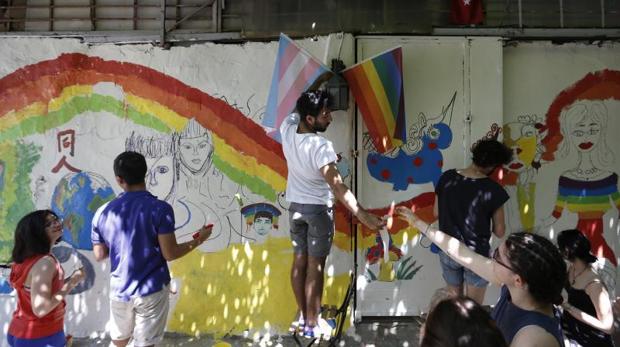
point(263, 214)
point(131, 167)
point(602, 156)
point(312, 102)
point(575, 245)
point(539, 263)
point(491, 153)
point(194, 129)
point(460, 322)
point(150, 146)
point(30, 236)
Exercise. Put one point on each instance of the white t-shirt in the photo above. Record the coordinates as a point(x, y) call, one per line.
point(305, 154)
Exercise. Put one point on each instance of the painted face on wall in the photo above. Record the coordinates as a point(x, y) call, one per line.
point(195, 152)
point(585, 133)
point(262, 225)
point(160, 176)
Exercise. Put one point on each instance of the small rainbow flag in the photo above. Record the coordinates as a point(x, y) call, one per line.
point(295, 72)
point(377, 86)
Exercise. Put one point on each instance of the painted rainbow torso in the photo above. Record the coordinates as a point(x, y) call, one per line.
point(590, 200)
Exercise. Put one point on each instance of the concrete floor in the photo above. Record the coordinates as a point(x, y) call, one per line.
point(379, 332)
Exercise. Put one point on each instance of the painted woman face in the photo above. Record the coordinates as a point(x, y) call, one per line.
point(194, 152)
point(262, 225)
point(585, 134)
point(160, 176)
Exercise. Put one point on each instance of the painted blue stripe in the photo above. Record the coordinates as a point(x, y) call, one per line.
point(563, 191)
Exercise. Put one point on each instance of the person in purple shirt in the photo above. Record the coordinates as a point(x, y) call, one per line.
point(136, 231)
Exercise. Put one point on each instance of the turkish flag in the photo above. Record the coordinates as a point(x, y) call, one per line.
point(466, 12)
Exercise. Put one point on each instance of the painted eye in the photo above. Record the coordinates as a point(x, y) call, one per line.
point(434, 133)
point(578, 133)
point(187, 146)
point(162, 169)
point(203, 145)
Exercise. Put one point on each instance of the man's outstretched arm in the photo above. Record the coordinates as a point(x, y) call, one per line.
point(345, 195)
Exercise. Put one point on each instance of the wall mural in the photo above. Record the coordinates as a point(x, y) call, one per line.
point(62, 121)
point(576, 131)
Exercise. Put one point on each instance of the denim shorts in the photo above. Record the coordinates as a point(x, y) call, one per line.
point(456, 274)
point(312, 228)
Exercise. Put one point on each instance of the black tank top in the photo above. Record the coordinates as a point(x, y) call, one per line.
point(578, 333)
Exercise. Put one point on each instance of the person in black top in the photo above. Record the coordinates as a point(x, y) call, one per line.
point(469, 206)
point(587, 319)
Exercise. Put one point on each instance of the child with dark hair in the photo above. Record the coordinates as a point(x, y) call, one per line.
point(588, 317)
point(460, 322)
point(39, 282)
point(531, 273)
point(469, 206)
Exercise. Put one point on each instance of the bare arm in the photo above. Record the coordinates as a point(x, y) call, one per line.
point(533, 336)
point(499, 222)
point(42, 300)
point(171, 250)
point(600, 299)
point(346, 196)
point(101, 251)
point(457, 250)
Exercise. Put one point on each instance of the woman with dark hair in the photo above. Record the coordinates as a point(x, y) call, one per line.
point(38, 279)
point(531, 273)
point(460, 322)
point(588, 318)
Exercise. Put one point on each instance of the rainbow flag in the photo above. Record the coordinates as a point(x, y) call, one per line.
point(377, 86)
point(295, 72)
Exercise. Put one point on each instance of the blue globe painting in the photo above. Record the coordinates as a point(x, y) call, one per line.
point(76, 199)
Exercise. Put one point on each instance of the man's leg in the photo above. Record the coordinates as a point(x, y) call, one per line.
point(314, 289)
point(122, 319)
point(151, 315)
point(298, 281)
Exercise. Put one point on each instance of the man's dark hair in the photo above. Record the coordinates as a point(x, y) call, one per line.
point(263, 214)
point(491, 153)
point(539, 262)
point(575, 245)
point(30, 237)
point(131, 167)
point(312, 102)
point(460, 322)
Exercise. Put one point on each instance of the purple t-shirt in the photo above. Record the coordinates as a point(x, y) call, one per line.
point(129, 226)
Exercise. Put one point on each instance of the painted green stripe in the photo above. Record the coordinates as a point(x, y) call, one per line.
point(93, 103)
point(255, 184)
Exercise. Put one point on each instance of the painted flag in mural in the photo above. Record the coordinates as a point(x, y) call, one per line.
point(295, 72)
point(377, 86)
point(466, 12)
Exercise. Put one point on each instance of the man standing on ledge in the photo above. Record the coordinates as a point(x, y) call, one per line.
point(312, 176)
point(136, 230)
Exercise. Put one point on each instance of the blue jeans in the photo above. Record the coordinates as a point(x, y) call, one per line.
point(456, 274)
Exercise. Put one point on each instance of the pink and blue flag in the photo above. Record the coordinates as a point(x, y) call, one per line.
point(295, 72)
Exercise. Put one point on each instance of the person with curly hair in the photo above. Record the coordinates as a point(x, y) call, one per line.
point(531, 273)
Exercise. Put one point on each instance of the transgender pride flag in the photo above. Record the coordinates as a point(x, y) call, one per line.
point(295, 72)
